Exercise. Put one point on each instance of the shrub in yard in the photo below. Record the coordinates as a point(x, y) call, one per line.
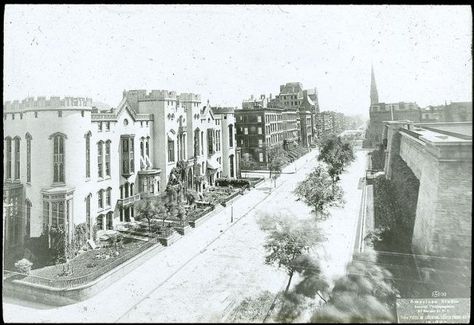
point(23, 266)
point(233, 182)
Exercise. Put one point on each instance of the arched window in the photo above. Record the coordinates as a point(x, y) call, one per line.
point(108, 197)
point(58, 161)
point(170, 149)
point(100, 199)
point(100, 221)
point(142, 139)
point(100, 157)
point(8, 167)
point(107, 158)
point(17, 157)
point(28, 157)
point(88, 154)
point(109, 224)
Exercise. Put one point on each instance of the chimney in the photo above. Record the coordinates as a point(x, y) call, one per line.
point(270, 96)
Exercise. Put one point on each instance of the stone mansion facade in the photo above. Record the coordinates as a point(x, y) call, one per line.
point(67, 163)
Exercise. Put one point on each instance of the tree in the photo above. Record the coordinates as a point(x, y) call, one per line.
point(318, 191)
point(293, 303)
point(276, 160)
point(149, 209)
point(287, 240)
point(337, 155)
point(364, 294)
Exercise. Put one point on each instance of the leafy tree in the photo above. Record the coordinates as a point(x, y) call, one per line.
point(248, 164)
point(287, 240)
point(337, 155)
point(149, 209)
point(364, 294)
point(318, 191)
point(277, 158)
point(293, 303)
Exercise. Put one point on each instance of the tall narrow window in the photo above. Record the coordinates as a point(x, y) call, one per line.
point(28, 158)
point(100, 157)
point(147, 146)
point(58, 159)
point(100, 199)
point(28, 219)
point(88, 155)
point(202, 142)
point(231, 135)
point(17, 158)
point(142, 148)
point(132, 153)
point(107, 158)
point(108, 197)
point(170, 150)
point(8, 145)
point(88, 215)
point(45, 215)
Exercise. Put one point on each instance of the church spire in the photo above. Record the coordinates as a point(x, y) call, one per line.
point(374, 96)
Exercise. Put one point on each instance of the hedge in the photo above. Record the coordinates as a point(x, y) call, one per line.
point(233, 182)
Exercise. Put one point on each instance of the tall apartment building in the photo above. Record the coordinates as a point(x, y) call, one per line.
point(258, 129)
point(66, 163)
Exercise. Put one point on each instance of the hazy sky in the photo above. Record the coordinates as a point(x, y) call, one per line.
point(227, 53)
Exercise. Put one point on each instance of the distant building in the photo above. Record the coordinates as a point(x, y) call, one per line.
point(452, 112)
point(330, 122)
point(380, 112)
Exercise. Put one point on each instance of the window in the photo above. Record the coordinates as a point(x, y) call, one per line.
point(260, 157)
point(88, 155)
point(147, 146)
point(100, 126)
point(231, 135)
point(58, 161)
point(28, 219)
point(202, 142)
point(17, 158)
point(82, 113)
point(108, 196)
point(142, 154)
point(170, 150)
point(259, 130)
point(57, 214)
point(60, 113)
point(100, 200)
point(100, 157)
point(131, 154)
point(109, 224)
point(28, 158)
point(196, 143)
point(260, 142)
point(36, 114)
point(246, 131)
point(218, 140)
point(88, 214)
point(259, 119)
point(107, 158)
point(107, 126)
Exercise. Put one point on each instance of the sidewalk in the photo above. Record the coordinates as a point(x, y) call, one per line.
point(136, 286)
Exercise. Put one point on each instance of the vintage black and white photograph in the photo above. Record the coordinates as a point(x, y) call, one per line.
point(237, 163)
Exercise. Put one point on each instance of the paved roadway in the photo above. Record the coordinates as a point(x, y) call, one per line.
point(205, 274)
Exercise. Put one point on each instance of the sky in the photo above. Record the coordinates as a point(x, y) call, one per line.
point(227, 53)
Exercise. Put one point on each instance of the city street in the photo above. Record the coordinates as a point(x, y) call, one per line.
point(205, 274)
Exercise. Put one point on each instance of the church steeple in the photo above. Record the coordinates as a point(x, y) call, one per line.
point(374, 96)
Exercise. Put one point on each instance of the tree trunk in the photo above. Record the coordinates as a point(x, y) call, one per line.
point(289, 282)
point(321, 296)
